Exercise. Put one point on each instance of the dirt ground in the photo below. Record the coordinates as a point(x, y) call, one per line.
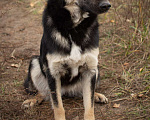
point(20, 35)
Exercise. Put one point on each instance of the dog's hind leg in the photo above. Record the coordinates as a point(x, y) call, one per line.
point(38, 81)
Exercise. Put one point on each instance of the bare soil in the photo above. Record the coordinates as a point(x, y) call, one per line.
point(20, 35)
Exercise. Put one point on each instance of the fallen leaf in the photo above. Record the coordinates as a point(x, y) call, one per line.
point(112, 21)
point(116, 105)
point(26, 71)
point(125, 64)
point(128, 20)
point(32, 4)
point(15, 65)
point(133, 95)
point(140, 95)
point(141, 69)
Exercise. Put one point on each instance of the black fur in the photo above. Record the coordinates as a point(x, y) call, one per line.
point(93, 82)
point(52, 84)
point(28, 84)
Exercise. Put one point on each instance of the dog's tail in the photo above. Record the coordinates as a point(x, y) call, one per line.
point(28, 83)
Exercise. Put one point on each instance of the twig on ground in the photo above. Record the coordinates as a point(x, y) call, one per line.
point(126, 98)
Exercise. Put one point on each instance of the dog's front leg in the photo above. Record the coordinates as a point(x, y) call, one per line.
point(55, 88)
point(89, 79)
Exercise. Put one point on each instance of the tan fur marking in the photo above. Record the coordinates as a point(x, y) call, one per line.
point(59, 112)
point(89, 109)
point(89, 114)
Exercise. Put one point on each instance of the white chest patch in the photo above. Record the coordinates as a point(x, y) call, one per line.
point(75, 53)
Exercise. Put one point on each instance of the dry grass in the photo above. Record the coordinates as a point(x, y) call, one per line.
point(125, 52)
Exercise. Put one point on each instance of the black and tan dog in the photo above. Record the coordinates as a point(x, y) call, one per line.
point(68, 61)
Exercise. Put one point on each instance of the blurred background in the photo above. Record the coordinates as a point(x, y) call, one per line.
point(124, 61)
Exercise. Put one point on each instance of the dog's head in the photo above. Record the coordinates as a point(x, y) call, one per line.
point(80, 9)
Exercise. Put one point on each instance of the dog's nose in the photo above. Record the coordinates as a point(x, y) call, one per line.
point(105, 5)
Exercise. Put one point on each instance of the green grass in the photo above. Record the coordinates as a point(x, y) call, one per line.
point(2, 89)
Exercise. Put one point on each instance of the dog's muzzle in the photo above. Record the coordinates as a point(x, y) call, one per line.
point(104, 6)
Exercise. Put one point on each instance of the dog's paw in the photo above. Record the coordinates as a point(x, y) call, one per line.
point(29, 103)
point(100, 98)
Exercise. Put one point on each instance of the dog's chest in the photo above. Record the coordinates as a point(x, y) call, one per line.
point(69, 66)
point(61, 65)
